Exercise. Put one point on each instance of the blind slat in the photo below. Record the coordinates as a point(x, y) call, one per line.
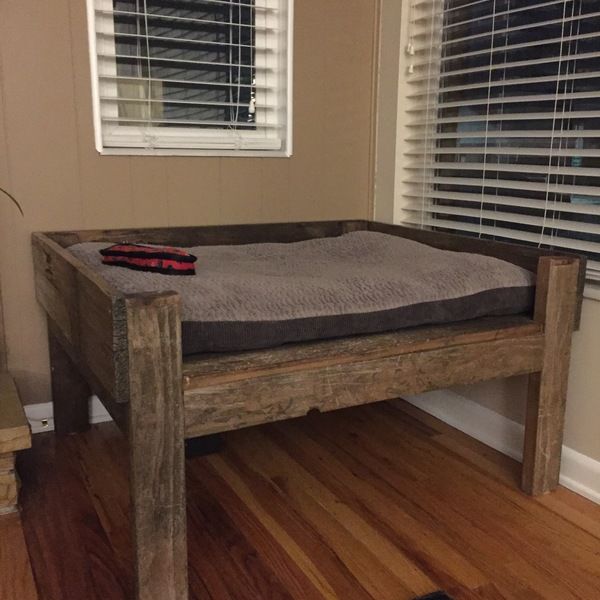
point(496, 117)
point(490, 133)
point(181, 82)
point(507, 217)
point(508, 30)
point(177, 19)
point(178, 40)
point(509, 234)
point(492, 51)
point(505, 151)
point(507, 65)
point(509, 184)
point(496, 14)
point(421, 106)
point(168, 100)
point(566, 207)
point(182, 61)
point(510, 82)
point(186, 122)
point(506, 167)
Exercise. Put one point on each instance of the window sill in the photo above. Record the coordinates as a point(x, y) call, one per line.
point(192, 152)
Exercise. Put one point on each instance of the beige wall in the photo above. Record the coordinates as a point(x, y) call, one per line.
point(48, 161)
point(507, 397)
point(583, 406)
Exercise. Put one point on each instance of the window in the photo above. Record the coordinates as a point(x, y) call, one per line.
point(191, 76)
point(502, 121)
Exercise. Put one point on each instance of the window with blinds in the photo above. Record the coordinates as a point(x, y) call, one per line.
point(191, 76)
point(502, 121)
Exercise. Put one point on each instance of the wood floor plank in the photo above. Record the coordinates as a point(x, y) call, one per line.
point(467, 512)
point(298, 537)
point(517, 516)
point(292, 567)
point(16, 578)
point(439, 560)
point(378, 565)
point(71, 555)
point(371, 503)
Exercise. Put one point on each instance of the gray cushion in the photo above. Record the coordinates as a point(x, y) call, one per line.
point(261, 295)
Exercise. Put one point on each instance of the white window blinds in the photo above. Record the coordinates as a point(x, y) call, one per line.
point(502, 121)
point(191, 75)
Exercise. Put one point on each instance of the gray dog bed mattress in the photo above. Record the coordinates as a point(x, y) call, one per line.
point(262, 295)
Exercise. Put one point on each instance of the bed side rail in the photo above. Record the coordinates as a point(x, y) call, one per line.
point(212, 235)
point(88, 316)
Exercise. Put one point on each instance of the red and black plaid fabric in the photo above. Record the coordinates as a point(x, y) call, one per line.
point(165, 260)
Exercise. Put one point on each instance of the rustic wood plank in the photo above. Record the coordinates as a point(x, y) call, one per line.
point(261, 398)
point(89, 313)
point(9, 484)
point(207, 369)
point(213, 235)
point(117, 410)
point(70, 391)
point(15, 433)
point(16, 578)
point(555, 308)
point(156, 447)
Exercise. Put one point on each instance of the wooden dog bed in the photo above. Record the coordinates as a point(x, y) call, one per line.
point(127, 349)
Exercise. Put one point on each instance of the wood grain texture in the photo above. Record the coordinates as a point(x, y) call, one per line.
point(9, 484)
point(213, 235)
point(555, 308)
point(15, 433)
point(260, 398)
point(117, 410)
point(70, 392)
point(16, 578)
point(87, 311)
point(156, 447)
point(205, 369)
point(370, 503)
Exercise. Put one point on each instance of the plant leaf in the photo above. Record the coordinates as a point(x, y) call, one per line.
point(14, 201)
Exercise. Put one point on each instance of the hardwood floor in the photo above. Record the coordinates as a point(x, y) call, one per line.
point(373, 503)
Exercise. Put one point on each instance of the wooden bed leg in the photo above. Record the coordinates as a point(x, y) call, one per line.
point(156, 441)
point(70, 392)
point(555, 308)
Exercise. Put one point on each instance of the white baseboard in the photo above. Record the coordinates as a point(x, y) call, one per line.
point(579, 472)
point(40, 415)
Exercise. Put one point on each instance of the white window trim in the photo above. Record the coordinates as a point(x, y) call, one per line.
point(184, 149)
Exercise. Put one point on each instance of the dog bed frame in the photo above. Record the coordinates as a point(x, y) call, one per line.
point(126, 348)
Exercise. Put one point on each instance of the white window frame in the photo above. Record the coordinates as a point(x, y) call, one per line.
point(193, 141)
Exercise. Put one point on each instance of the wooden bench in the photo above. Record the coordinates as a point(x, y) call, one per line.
point(15, 435)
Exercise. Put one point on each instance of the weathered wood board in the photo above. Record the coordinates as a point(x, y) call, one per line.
point(288, 393)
